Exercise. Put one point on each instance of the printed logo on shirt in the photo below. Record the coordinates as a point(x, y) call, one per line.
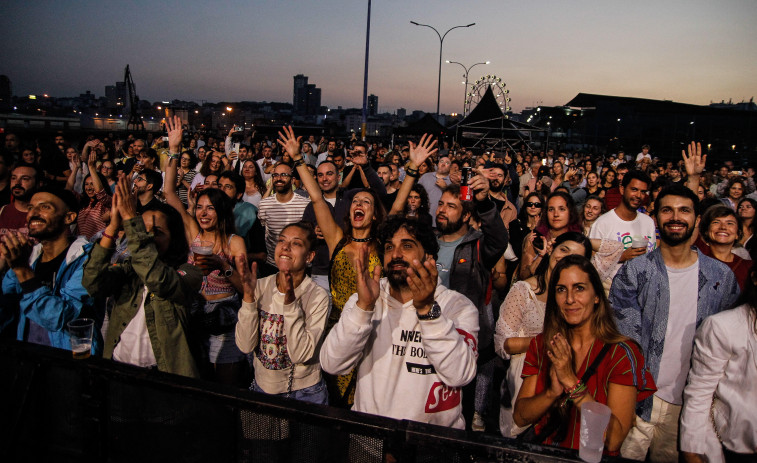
point(469, 339)
point(442, 398)
point(419, 369)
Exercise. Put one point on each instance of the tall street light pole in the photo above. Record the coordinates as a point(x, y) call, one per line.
point(467, 70)
point(441, 45)
point(364, 124)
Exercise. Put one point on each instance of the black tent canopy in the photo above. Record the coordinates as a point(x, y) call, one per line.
point(487, 125)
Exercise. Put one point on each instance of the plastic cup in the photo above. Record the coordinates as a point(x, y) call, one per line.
point(594, 420)
point(80, 332)
point(200, 250)
point(639, 243)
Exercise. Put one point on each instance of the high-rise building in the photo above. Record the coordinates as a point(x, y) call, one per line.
point(372, 105)
point(116, 95)
point(306, 97)
point(300, 97)
point(401, 113)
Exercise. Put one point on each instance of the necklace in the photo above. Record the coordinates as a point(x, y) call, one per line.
point(360, 240)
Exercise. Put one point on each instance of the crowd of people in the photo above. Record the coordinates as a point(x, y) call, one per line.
point(403, 281)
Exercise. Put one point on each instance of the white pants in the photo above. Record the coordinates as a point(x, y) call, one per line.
point(659, 435)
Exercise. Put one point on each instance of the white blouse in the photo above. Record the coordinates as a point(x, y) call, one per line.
point(724, 364)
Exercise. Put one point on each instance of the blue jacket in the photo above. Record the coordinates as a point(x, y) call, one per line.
point(53, 308)
point(640, 296)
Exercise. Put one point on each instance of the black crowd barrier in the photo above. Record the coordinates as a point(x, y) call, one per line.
point(54, 408)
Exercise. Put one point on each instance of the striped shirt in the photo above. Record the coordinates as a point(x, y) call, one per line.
point(275, 215)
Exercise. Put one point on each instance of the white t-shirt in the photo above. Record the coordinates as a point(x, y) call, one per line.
point(679, 334)
point(610, 226)
point(134, 346)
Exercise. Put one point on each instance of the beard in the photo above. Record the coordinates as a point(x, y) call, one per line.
point(397, 277)
point(282, 187)
point(674, 239)
point(50, 231)
point(496, 187)
point(449, 227)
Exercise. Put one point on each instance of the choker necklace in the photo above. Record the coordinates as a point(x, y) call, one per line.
point(360, 240)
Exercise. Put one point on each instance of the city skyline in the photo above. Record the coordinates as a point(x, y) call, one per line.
point(547, 53)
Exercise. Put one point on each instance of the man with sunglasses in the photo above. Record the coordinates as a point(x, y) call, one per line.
point(278, 210)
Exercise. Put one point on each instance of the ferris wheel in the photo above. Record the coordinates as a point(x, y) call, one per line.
point(478, 89)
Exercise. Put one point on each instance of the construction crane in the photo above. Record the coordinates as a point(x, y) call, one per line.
point(135, 120)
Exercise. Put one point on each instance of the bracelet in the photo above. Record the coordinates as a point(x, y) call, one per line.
point(105, 235)
point(575, 393)
point(412, 172)
point(298, 162)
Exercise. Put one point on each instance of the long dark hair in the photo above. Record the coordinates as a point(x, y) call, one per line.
point(541, 270)
point(86, 200)
point(574, 221)
point(224, 207)
point(178, 248)
point(424, 207)
point(602, 321)
point(379, 216)
point(522, 215)
point(257, 179)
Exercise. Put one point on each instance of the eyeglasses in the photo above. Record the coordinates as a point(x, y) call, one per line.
point(537, 205)
point(284, 176)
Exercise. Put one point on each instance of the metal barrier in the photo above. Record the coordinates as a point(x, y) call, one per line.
point(59, 409)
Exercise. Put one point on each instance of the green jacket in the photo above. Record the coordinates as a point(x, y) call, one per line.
point(166, 306)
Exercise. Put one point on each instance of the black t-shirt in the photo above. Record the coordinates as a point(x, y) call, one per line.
point(388, 200)
point(498, 203)
point(45, 273)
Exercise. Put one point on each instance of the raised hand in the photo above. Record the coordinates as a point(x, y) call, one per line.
point(480, 185)
point(420, 152)
point(175, 133)
point(561, 355)
point(289, 142)
point(695, 160)
point(367, 285)
point(249, 277)
point(127, 203)
point(422, 279)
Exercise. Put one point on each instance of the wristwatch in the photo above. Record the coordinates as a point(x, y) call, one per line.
point(432, 314)
point(228, 272)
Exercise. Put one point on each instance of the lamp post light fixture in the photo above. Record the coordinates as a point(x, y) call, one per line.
point(467, 70)
point(441, 45)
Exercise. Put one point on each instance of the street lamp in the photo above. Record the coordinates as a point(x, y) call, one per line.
point(441, 45)
point(467, 70)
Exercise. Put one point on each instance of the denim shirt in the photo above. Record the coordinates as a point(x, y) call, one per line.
point(640, 296)
point(52, 308)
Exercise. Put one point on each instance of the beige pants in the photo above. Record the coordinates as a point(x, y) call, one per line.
point(659, 435)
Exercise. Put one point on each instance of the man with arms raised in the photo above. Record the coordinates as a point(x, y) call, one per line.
point(413, 341)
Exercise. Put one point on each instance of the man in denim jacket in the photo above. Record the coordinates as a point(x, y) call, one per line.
point(46, 279)
point(660, 299)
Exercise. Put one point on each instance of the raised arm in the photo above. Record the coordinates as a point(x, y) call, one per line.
point(418, 155)
point(331, 231)
point(175, 133)
point(92, 166)
point(694, 163)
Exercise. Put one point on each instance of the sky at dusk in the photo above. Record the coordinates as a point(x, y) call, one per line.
point(546, 51)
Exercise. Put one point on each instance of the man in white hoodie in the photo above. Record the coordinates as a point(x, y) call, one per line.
point(413, 340)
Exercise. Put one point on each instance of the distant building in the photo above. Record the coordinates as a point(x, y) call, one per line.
point(306, 98)
point(401, 113)
point(299, 97)
point(116, 95)
point(372, 105)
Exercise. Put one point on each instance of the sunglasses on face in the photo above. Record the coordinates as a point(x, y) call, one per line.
point(537, 205)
